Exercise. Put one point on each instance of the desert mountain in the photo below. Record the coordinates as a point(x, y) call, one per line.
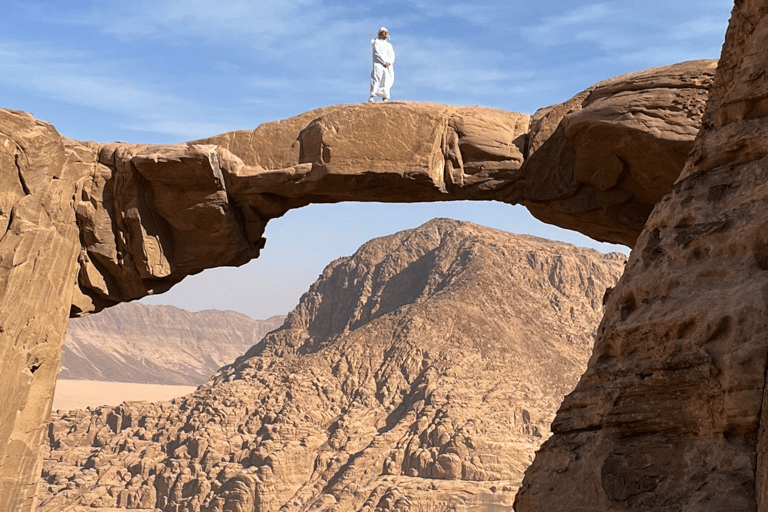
point(421, 373)
point(135, 342)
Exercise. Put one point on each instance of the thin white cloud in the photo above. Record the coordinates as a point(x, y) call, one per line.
point(710, 27)
point(268, 37)
point(583, 14)
point(263, 24)
point(475, 13)
point(448, 65)
point(72, 78)
point(484, 14)
point(621, 37)
point(555, 30)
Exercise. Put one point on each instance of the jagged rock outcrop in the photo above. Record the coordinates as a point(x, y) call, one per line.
point(85, 226)
point(39, 249)
point(136, 342)
point(670, 415)
point(614, 150)
point(419, 374)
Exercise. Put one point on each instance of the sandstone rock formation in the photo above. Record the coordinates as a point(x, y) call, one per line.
point(39, 249)
point(608, 153)
point(136, 342)
point(670, 415)
point(597, 163)
point(421, 373)
point(85, 226)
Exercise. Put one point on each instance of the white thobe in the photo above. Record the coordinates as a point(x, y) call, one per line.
point(382, 77)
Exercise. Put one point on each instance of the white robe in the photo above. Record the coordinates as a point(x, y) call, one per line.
point(382, 77)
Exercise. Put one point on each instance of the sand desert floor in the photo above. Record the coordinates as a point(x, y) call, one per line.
point(79, 394)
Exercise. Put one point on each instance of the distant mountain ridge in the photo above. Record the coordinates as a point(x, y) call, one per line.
point(135, 342)
point(419, 374)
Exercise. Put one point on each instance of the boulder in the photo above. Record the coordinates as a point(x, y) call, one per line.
point(600, 161)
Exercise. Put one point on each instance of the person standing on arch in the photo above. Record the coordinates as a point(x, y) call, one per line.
point(383, 74)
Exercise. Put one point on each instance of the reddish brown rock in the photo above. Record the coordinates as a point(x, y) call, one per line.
point(384, 153)
point(670, 415)
point(39, 245)
point(599, 162)
point(142, 232)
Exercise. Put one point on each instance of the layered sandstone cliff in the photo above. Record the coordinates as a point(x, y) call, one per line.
point(421, 373)
point(136, 342)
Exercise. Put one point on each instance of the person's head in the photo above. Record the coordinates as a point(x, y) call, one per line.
point(383, 33)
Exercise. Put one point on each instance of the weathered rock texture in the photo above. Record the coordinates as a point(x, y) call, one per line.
point(670, 415)
point(605, 157)
point(39, 249)
point(157, 344)
point(86, 226)
point(419, 374)
point(597, 163)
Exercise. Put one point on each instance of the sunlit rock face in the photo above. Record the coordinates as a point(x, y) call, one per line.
point(84, 226)
point(420, 374)
point(670, 415)
point(599, 162)
point(135, 342)
point(39, 249)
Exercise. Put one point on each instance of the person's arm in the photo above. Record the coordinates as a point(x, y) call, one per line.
point(378, 58)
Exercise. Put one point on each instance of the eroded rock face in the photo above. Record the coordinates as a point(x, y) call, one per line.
point(670, 415)
point(422, 151)
point(85, 226)
point(419, 374)
point(135, 342)
point(141, 231)
point(39, 247)
point(599, 162)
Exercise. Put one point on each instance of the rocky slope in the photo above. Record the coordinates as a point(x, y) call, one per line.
point(421, 373)
point(136, 342)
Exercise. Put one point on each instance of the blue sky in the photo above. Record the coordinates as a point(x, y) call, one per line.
point(166, 71)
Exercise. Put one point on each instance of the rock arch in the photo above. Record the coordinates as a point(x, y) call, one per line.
point(85, 226)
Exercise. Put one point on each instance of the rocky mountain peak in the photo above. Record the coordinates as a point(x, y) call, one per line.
point(422, 370)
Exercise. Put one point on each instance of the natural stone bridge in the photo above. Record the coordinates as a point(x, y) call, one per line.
point(85, 226)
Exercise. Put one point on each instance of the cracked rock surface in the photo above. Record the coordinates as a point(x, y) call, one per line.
point(421, 373)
